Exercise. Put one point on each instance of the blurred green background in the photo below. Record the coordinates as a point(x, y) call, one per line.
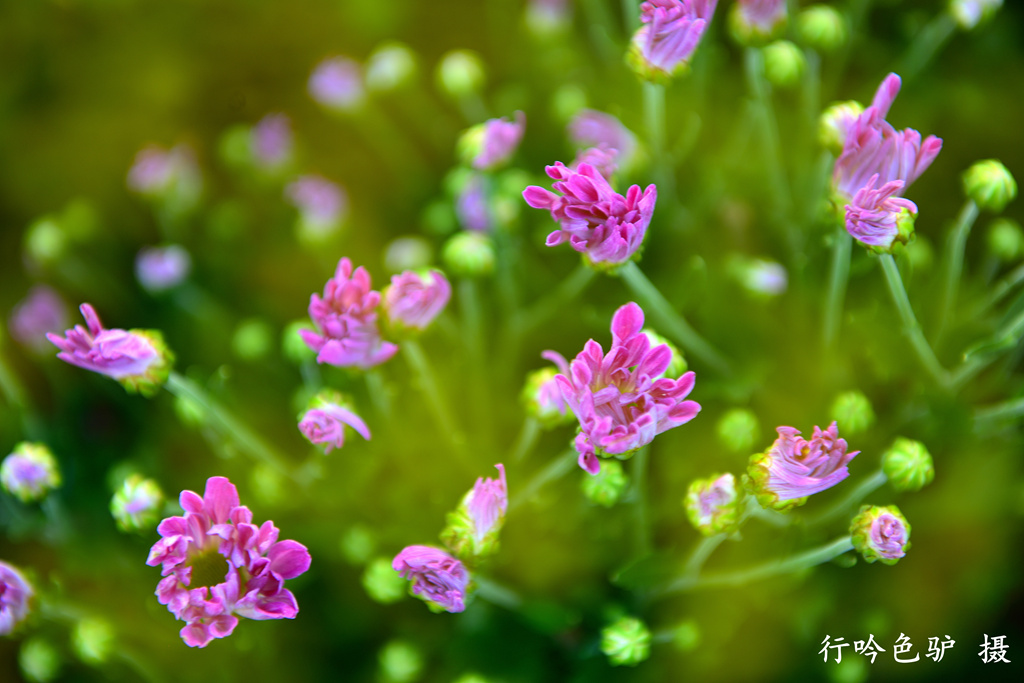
point(85, 84)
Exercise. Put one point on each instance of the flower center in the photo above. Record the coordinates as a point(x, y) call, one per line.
point(208, 568)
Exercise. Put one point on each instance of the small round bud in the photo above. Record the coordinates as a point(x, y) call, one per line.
point(738, 430)
point(45, 241)
point(712, 504)
point(990, 185)
point(567, 101)
point(678, 365)
point(970, 13)
point(821, 27)
point(835, 124)
point(382, 583)
point(292, 346)
point(686, 636)
point(408, 253)
point(1005, 239)
point(607, 486)
point(136, 505)
point(234, 146)
point(760, 278)
point(460, 73)
point(400, 662)
point(93, 640)
point(29, 472)
point(358, 544)
point(252, 340)
point(469, 254)
point(880, 533)
point(852, 410)
point(389, 67)
point(471, 678)
point(627, 642)
point(756, 23)
point(784, 63)
point(908, 465)
point(39, 660)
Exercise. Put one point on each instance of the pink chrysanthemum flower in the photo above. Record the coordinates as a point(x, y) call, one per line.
point(601, 158)
point(605, 226)
point(541, 395)
point(879, 217)
point(347, 319)
point(271, 141)
point(218, 565)
point(500, 139)
point(42, 311)
point(880, 533)
point(138, 359)
point(337, 84)
point(793, 468)
point(671, 31)
point(438, 578)
point(592, 128)
point(161, 268)
point(15, 593)
point(322, 204)
point(620, 399)
point(757, 21)
point(325, 420)
point(874, 147)
point(413, 300)
point(166, 174)
point(472, 530)
point(712, 504)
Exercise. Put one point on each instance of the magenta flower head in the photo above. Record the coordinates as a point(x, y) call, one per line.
point(414, 299)
point(271, 142)
point(161, 268)
point(793, 468)
point(472, 530)
point(874, 147)
point(337, 84)
point(138, 359)
point(472, 207)
point(322, 205)
point(170, 176)
point(438, 579)
point(29, 472)
point(880, 533)
point(671, 30)
point(592, 128)
point(217, 565)
point(542, 397)
point(42, 311)
point(601, 158)
point(620, 399)
point(326, 418)
point(755, 22)
point(489, 145)
point(15, 593)
point(596, 221)
point(712, 504)
point(879, 218)
point(346, 316)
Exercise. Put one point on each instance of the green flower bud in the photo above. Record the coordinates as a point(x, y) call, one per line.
point(39, 660)
point(235, 148)
point(292, 345)
point(252, 340)
point(30, 472)
point(468, 147)
point(607, 486)
point(745, 31)
point(439, 218)
point(908, 465)
point(835, 123)
point(852, 410)
point(784, 63)
point(821, 27)
point(469, 254)
point(92, 640)
point(627, 642)
point(543, 401)
point(566, 101)
point(471, 678)
point(738, 430)
point(990, 185)
point(382, 583)
point(1005, 239)
point(389, 67)
point(358, 544)
point(136, 505)
point(970, 13)
point(400, 662)
point(686, 636)
point(678, 365)
point(713, 504)
point(460, 73)
point(408, 253)
point(880, 533)
point(45, 241)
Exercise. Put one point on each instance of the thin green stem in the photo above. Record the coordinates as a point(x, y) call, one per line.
point(17, 398)
point(805, 560)
point(1004, 410)
point(567, 291)
point(1002, 288)
point(701, 552)
point(671, 322)
point(838, 277)
point(630, 16)
point(527, 439)
point(556, 469)
point(863, 490)
point(910, 325)
point(641, 518)
point(654, 117)
point(754, 63)
point(1006, 337)
point(497, 594)
point(955, 260)
point(377, 388)
point(927, 44)
point(437, 401)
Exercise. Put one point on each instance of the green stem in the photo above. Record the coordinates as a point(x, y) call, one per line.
point(863, 490)
point(377, 388)
point(910, 325)
point(788, 565)
point(556, 469)
point(927, 44)
point(526, 440)
point(432, 392)
point(1002, 288)
point(754, 62)
point(668, 320)
point(838, 278)
point(700, 555)
point(17, 398)
point(1005, 338)
point(955, 260)
point(1007, 409)
point(231, 426)
point(630, 16)
point(654, 117)
point(641, 519)
point(567, 291)
point(497, 594)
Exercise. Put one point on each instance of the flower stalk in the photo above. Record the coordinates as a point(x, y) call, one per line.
point(955, 260)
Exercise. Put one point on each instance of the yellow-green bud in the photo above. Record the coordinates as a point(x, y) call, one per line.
point(92, 640)
point(292, 345)
point(39, 660)
point(408, 253)
point(713, 504)
point(358, 544)
point(627, 642)
point(738, 430)
point(686, 636)
point(382, 583)
point(821, 27)
point(990, 185)
point(400, 662)
point(852, 410)
point(30, 472)
point(136, 505)
point(784, 63)
point(471, 678)
point(908, 465)
point(390, 66)
point(566, 101)
point(469, 254)
point(45, 241)
point(607, 486)
point(252, 340)
point(745, 31)
point(1005, 239)
point(835, 123)
point(460, 73)
point(880, 534)
point(235, 146)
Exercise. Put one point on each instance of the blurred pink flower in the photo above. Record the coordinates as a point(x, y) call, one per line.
point(592, 128)
point(500, 140)
point(471, 205)
point(875, 216)
point(272, 141)
point(325, 421)
point(601, 158)
point(413, 300)
point(323, 205)
point(438, 578)
point(41, 311)
point(670, 33)
point(15, 593)
point(161, 268)
point(337, 83)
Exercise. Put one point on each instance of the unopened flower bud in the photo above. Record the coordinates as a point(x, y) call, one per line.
point(543, 399)
point(414, 299)
point(990, 185)
point(677, 366)
point(337, 84)
point(880, 533)
point(136, 505)
point(161, 268)
point(908, 465)
point(1005, 239)
point(45, 241)
point(607, 486)
point(389, 67)
point(835, 123)
point(15, 594)
point(784, 63)
point(29, 472)
point(93, 640)
point(328, 417)
point(400, 662)
point(252, 340)
point(755, 22)
point(852, 410)
point(381, 582)
point(738, 430)
point(469, 254)
point(39, 660)
point(712, 504)
point(472, 529)
point(438, 579)
point(627, 642)
point(821, 27)
point(567, 101)
point(686, 635)
point(970, 13)
point(292, 345)
point(761, 278)
point(358, 544)
point(408, 253)
point(460, 73)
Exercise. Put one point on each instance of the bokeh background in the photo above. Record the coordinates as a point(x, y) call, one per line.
point(84, 84)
